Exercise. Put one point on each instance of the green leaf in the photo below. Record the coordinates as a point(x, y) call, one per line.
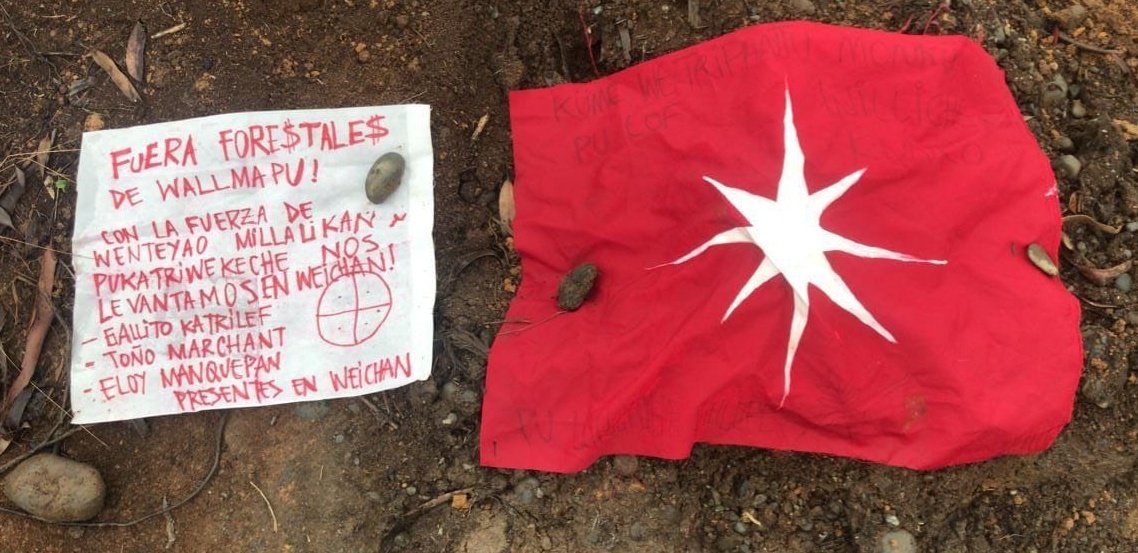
point(61, 184)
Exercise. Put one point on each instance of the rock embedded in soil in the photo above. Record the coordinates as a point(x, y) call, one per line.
point(1105, 367)
point(384, 177)
point(898, 541)
point(312, 410)
point(575, 287)
point(1078, 110)
point(1069, 166)
point(625, 465)
point(803, 6)
point(1064, 144)
point(1072, 17)
point(1054, 93)
point(1124, 283)
point(56, 488)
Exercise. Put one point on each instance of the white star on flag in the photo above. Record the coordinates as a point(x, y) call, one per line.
point(789, 232)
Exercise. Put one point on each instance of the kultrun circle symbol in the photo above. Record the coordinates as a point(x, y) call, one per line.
point(352, 308)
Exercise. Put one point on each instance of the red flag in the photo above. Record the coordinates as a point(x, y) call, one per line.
point(809, 238)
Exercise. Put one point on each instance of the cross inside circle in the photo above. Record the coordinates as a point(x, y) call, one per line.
point(352, 308)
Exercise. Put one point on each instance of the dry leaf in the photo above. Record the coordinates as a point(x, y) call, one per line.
point(1074, 203)
point(1103, 276)
point(43, 152)
point(1091, 221)
point(6, 220)
point(14, 192)
point(506, 209)
point(38, 327)
point(136, 53)
point(1129, 129)
point(16, 412)
point(120, 79)
point(1039, 257)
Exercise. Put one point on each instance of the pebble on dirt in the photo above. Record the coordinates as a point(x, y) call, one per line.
point(1072, 17)
point(575, 287)
point(56, 488)
point(1069, 166)
point(1124, 282)
point(898, 541)
point(384, 177)
point(1106, 367)
point(1065, 144)
point(803, 6)
point(625, 465)
point(1078, 110)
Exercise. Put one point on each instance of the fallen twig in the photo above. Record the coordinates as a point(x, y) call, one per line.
point(45, 248)
point(115, 524)
point(1079, 218)
point(531, 325)
point(403, 521)
point(1087, 47)
point(171, 533)
point(588, 39)
point(169, 31)
point(379, 414)
point(268, 504)
point(64, 411)
point(48, 443)
point(940, 8)
point(440, 500)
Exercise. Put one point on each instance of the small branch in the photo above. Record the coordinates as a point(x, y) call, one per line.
point(444, 498)
point(10, 464)
point(267, 504)
point(588, 38)
point(1088, 47)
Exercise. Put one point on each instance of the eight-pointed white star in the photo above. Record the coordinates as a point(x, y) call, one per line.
point(789, 232)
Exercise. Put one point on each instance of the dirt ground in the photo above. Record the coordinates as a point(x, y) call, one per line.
point(343, 475)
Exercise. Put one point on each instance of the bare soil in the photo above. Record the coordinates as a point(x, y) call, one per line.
point(340, 475)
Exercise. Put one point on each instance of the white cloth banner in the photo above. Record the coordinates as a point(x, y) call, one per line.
point(235, 260)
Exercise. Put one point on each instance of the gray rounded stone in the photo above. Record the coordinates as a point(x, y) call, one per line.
point(384, 177)
point(1072, 17)
point(312, 410)
point(56, 488)
point(1069, 166)
point(1124, 282)
point(1065, 144)
point(804, 6)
